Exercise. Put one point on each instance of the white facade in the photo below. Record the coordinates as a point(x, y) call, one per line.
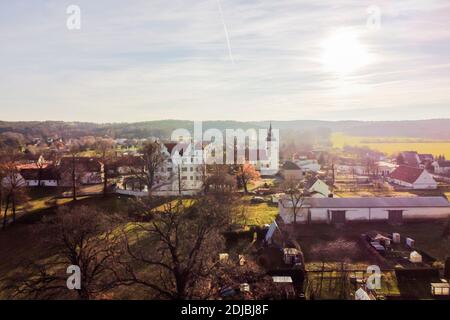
point(440, 169)
point(319, 211)
point(43, 183)
point(424, 181)
point(385, 168)
point(320, 187)
point(308, 165)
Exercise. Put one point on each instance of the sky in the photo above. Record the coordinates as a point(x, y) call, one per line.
point(142, 60)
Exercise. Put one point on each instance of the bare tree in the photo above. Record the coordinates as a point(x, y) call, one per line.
point(13, 184)
point(218, 179)
point(105, 148)
point(295, 194)
point(72, 169)
point(153, 161)
point(83, 237)
point(181, 247)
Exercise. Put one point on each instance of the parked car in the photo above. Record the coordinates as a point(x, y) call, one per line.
point(257, 200)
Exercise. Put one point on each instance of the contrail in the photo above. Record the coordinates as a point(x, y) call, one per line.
point(226, 32)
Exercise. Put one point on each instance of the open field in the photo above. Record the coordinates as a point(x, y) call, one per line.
point(257, 213)
point(393, 145)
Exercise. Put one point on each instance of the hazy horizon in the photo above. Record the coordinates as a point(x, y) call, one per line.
point(226, 120)
point(211, 59)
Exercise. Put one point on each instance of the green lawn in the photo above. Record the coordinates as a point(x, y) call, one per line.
point(256, 213)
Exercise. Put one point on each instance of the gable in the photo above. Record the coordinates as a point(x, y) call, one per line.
point(425, 177)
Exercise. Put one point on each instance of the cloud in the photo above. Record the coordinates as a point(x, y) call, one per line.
point(157, 59)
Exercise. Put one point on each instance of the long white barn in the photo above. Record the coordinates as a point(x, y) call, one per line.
point(341, 210)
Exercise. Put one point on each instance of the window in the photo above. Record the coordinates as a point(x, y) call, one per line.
point(192, 169)
point(191, 177)
point(183, 178)
point(184, 169)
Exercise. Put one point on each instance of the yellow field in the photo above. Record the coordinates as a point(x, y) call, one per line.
point(393, 145)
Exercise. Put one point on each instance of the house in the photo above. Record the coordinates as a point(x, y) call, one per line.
point(385, 168)
point(342, 210)
point(410, 158)
point(308, 165)
point(45, 177)
point(426, 157)
point(182, 171)
point(352, 169)
point(317, 188)
point(89, 170)
point(129, 164)
point(34, 159)
point(291, 171)
point(441, 167)
point(412, 178)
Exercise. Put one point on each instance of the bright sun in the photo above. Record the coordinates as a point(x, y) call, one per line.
point(343, 53)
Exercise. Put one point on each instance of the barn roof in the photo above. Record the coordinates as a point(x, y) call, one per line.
point(411, 158)
point(406, 173)
point(373, 202)
point(289, 165)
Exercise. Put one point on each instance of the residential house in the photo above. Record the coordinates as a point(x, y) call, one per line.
point(31, 158)
point(182, 172)
point(412, 178)
point(129, 164)
point(441, 167)
point(385, 168)
point(317, 188)
point(342, 210)
point(291, 171)
point(410, 158)
point(89, 170)
point(308, 165)
point(426, 157)
point(45, 177)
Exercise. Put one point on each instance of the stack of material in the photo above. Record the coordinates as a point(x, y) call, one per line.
point(415, 257)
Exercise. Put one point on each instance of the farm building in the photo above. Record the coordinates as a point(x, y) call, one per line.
point(46, 177)
point(441, 167)
point(412, 178)
point(385, 168)
point(291, 171)
point(341, 210)
point(410, 158)
point(317, 188)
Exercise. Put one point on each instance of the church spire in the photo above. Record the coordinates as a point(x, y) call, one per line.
point(269, 133)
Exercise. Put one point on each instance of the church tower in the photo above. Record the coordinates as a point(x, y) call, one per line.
point(269, 133)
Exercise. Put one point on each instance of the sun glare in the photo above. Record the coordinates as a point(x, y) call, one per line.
point(343, 53)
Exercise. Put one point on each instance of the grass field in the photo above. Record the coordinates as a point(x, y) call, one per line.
point(257, 213)
point(393, 145)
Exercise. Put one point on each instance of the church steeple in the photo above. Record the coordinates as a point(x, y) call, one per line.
point(269, 133)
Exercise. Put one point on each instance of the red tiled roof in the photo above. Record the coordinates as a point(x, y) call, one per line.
point(406, 173)
point(411, 158)
point(25, 166)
